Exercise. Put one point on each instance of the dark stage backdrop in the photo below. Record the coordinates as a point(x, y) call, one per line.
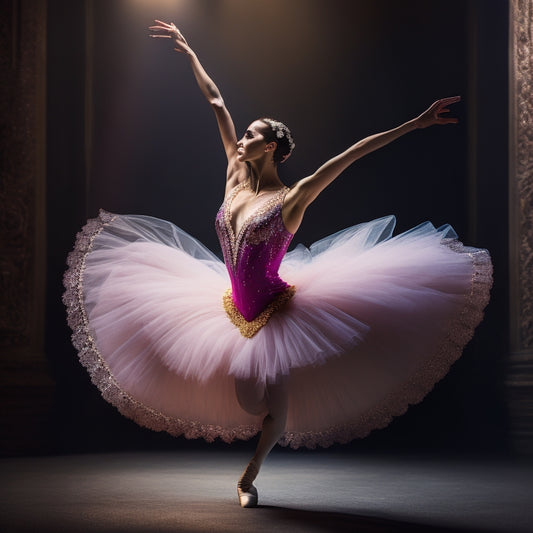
point(130, 132)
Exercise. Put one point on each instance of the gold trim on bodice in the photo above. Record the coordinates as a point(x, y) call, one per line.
point(249, 328)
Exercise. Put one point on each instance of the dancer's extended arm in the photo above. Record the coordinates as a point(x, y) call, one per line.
point(206, 85)
point(307, 189)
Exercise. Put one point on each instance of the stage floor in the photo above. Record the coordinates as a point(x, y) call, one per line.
point(298, 492)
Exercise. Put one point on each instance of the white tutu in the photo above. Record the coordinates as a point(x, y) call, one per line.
point(375, 322)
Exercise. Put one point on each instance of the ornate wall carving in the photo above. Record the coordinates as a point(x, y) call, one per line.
point(519, 379)
point(523, 159)
point(22, 132)
point(17, 194)
point(25, 386)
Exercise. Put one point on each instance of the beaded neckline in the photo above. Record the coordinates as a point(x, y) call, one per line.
point(235, 238)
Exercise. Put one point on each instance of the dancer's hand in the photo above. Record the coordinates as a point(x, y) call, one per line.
point(169, 31)
point(433, 116)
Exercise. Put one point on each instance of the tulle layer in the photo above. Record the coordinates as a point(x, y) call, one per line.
point(375, 322)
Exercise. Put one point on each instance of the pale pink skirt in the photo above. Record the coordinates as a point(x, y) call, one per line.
point(375, 322)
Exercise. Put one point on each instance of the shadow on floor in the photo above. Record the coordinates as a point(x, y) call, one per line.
point(331, 521)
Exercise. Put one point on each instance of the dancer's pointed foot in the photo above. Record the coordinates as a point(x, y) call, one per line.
point(245, 489)
point(248, 498)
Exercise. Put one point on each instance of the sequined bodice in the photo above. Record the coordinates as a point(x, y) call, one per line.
point(254, 254)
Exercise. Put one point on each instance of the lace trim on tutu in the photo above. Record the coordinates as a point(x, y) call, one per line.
point(249, 328)
point(99, 371)
point(460, 331)
point(419, 385)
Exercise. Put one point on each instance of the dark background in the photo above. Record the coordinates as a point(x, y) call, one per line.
point(129, 131)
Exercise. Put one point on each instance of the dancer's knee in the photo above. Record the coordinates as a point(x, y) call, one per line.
point(251, 396)
point(277, 398)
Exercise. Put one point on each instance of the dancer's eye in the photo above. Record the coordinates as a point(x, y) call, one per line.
point(249, 134)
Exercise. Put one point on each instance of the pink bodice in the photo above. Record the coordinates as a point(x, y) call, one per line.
point(254, 254)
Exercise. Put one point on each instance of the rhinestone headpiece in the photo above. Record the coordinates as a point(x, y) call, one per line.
point(281, 131)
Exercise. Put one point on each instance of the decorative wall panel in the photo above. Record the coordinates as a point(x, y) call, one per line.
point(519, 379)
point(25, 387)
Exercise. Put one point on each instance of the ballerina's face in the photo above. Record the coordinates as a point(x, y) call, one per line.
point(252, 144)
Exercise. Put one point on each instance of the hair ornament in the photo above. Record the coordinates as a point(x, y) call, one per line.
point(281, 131)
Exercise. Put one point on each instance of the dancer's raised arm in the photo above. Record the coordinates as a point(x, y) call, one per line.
point(307, 189)
point(206, 85)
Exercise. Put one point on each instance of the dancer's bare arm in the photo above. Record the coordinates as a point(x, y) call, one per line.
point(208, 88)
point(307, 189)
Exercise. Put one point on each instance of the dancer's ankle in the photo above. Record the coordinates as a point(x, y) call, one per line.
point(248, 476)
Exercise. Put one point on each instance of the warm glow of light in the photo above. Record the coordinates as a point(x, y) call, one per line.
point(145, 11)
point(176, 6)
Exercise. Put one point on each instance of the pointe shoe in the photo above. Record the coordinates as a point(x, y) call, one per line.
point(248, 498)
point(246, 491)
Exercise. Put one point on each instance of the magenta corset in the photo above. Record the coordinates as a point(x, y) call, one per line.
point(254, 255)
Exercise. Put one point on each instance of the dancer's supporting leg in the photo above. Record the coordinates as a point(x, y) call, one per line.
point(272, 399)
